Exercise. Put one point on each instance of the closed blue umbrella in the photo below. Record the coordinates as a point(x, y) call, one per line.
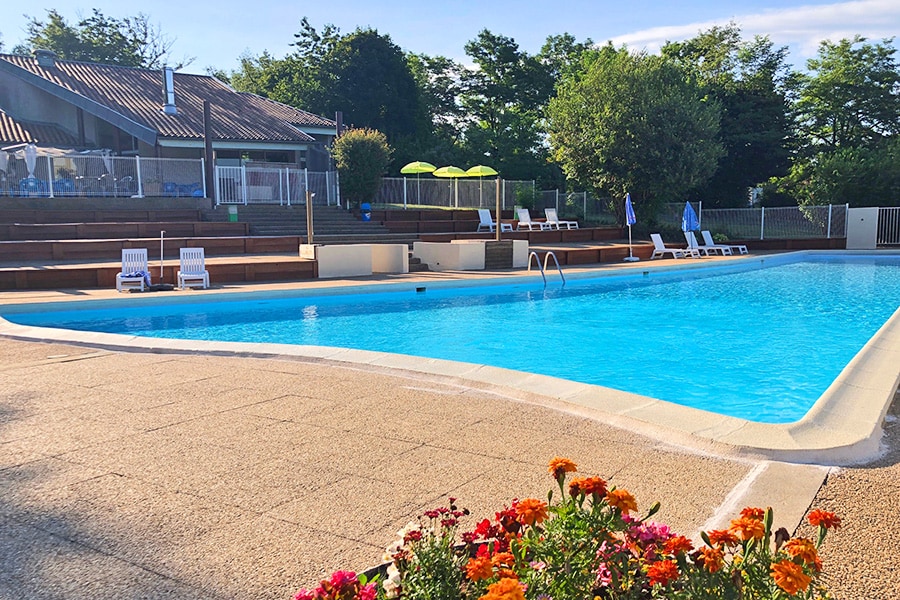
point(689, 221)
point(630, 220)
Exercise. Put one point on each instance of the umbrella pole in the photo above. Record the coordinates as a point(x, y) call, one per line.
point(631, 257)
point(498, 228)
point(161, 235)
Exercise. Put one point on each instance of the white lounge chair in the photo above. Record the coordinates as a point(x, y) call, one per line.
point(135, 274)
point(192, 269)
point(708, 240)
point(660, 249)
point(486, 222)
point(705, 249)
point(525, 222)
point(553, 219)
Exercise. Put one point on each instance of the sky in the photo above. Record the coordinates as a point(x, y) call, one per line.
point(216, 34)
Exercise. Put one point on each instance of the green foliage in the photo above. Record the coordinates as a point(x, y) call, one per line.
point(130, 41)
point(749, 81)
point(362, 157)
point(851, 98)
point(635, 123)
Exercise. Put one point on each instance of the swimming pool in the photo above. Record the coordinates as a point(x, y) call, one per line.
point(761, 340)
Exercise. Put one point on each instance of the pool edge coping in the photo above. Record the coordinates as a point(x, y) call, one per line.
point(844, 426)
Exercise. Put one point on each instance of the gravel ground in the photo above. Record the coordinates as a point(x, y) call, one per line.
point(860, 556)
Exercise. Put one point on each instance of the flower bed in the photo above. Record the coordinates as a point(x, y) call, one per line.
point(587, 544)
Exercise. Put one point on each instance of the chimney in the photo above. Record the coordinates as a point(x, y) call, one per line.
point(45, 58)
point(169, 91)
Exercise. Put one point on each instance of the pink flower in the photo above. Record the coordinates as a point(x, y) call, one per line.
point(304, 595)
point(367, 592)
point(342, 579)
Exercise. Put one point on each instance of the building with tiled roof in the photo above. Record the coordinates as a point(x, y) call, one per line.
point(150, 113)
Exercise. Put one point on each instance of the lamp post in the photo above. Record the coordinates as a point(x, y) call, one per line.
point(309, 217)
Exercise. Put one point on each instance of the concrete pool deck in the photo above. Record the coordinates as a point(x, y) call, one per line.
point(162, 472)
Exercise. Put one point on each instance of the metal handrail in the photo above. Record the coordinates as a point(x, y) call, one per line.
point(543, 267)
point(558, 268)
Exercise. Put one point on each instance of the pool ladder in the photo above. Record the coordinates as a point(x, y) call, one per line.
point(543, 267)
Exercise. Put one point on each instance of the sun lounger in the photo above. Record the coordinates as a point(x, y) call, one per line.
point(486, 222)
point(134, 274)
point(525, 222)
point(553, 219)
point(660, 249)
point(706, 249)
point(192, 269)
point(708, 239)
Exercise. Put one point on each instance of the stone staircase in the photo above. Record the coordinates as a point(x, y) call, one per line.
point(329, 222)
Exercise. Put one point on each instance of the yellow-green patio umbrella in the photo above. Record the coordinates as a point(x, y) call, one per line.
point(481, 172)
point(451, 172)
point(417, 167)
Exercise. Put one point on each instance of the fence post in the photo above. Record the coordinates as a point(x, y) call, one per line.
point(287, 181)
point(762, 222)
point(218, 190)
point(203, 172)
point(244, 183)
point(700, 214)
point(557, 200)
point(584, 204)
point(137, 170)
point(50, 175)
point(503, 195)
point(306, 186)
point(828, 233)
point(404, 192)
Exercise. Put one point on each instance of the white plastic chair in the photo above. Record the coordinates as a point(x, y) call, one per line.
point(706, 249)
point(486, 222)
point(553, 219)
point(192, 269)
point(135, 273)
point(525, 222)
point(660, 249)
point(708, 240)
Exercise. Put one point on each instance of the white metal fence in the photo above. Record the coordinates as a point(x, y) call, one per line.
point(404, 192)
point(788, 222)
point(93, 174)
point(888, 226)
point(284, 186)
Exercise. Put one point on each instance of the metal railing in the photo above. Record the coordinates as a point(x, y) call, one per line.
point(94, 174)
point(888, 227)
point(285, 186)
point(788, 222)
point(406, 192)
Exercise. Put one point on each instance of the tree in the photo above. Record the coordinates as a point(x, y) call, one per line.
point(503, 99)
point(851, 98)
point(130, 42)
point(635, 123)
point(362, 157)
point(749, 80)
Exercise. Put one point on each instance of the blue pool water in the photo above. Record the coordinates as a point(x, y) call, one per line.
point(756, 343)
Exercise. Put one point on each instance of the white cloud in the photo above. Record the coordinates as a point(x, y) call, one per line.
point(801, 27)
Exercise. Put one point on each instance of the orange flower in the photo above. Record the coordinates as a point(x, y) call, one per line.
point(753, 513)
point(662, 572)
point(559, 466)
point(722, 537)
point(824, 519)
point(587, 486)
point(713, 559)
point(805, 550)
point(503, 559)
point(790, 577)
point(530, 511)
point(622, 500)
point(678, 545)
point(505, 589)
point(748, 529)
point(479, 568)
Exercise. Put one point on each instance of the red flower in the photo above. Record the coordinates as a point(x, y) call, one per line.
point(587, 486)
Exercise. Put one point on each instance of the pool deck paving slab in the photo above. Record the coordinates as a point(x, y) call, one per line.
point(144, 473)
